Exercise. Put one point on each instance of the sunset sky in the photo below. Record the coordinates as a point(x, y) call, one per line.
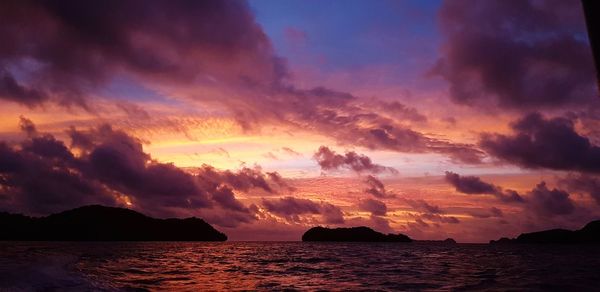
point(466, 119)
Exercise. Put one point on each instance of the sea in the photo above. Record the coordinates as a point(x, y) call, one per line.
point(302, 266)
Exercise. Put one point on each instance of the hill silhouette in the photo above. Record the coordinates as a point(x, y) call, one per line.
point(445, 241)
point(100, 223)
point(590, 233)
point(358, 234)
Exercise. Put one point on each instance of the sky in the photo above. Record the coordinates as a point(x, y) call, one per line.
point(466, 119)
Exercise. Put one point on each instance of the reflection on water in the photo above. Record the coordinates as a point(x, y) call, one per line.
point(296, 265)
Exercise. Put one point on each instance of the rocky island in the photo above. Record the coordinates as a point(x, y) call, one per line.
point(445, 241)
point(353, 234)
point(100, 223)
point(589, 234)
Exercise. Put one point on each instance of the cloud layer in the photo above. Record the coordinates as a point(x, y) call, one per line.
point(213, 52)
point(475, 186)
point(330, 160)
point(541, 200)
point(539, 142)
point(41, 175)
point(376, 188)
point(291, 208)
point(73, 47)
point(517, 54)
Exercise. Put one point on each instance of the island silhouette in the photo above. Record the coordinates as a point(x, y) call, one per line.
point(445, 241)
point(100, 223)
point(352, 234)
point(589, 234)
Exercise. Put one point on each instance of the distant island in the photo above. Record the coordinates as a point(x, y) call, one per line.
point(100, 223)
point(445, 241)
point(352, 234)
point(590, 233)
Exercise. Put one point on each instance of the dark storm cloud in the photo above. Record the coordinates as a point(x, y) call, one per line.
point(332, 214)
point(356, 126)
point(278, 180)
point(434, 219)
point(224, 196)
point(429, 212)
point(377, 188)
point(426, 211)
point(493, 212)
point(37, 184)
point(347, 119)
point(423, 206)
point(548, 202)
point(584, 183)
point(474, 185)
point(403, 112)
point(542, 201)
point(118, 160)
point(10, 89)
point(520, 54)
point(538, 142)
point(243, 180)
point(41, 175)
point(470, 184)
point(43, 145)
point(70, 45)
point(376, 207)
point(290, 208)
point(439, 218)
point(27, 126)
point(48, 147)
point(330, 160)
point(70, 49)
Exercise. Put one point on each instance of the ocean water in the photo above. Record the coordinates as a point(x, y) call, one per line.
point(195, 266)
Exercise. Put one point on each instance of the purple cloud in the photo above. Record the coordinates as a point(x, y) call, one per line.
point(474, 185)
point(376, 207)
point(290, 208)
point(377, 188)
point(423, 206)
point(41, 175)
point(541, 200)
point(492, 212)
point(517, 54)
point(538, 142)
point(73, 50)
point(546, 202)
point(76, 47)
point(584, 183)
point(330, 160)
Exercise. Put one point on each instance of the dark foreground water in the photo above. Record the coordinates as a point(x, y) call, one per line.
point(295, 265)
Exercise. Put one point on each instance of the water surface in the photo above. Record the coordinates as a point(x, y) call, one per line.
point(295, 266)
